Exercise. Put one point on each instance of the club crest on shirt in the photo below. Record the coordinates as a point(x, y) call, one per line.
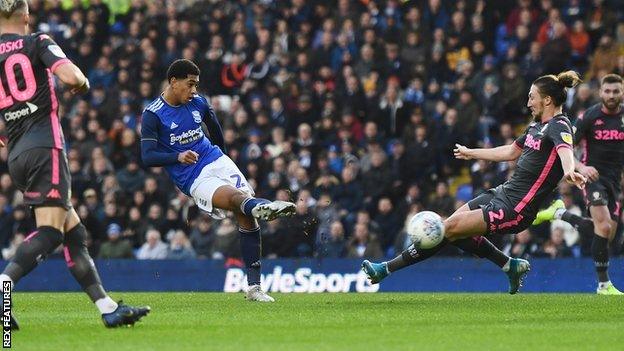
point(567, 137)
point(197, 117)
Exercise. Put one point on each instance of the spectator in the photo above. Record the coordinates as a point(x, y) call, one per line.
point(202, 237)
point(136, 227)
point(154, 248)
point(388, 221)
point(298, 233)
point(115, 247)
point(131, 178)
point(582, 101)
point(522, 245)
point(442, 202)
point(226, 240)
point(363, 244)
point(6, 218)
point(378, 179)
point(332, 243)
point(555, 246)
point(349, 194)
point(556, 52)
point(9, 251)
point(180, 247)
point(605, 58)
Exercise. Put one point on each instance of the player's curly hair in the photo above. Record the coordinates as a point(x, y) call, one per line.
point(181, 68)
point(555, 86)
point(9, 7)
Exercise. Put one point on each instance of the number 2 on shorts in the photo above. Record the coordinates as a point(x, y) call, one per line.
point(239, 183)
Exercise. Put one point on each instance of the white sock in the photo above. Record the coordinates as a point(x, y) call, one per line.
point(506, 266)
point(559, 212)
point(603, 285)
point(106, 305)
point(5, 278)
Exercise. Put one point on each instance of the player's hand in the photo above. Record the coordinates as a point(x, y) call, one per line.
point(461, 152)
point(81, 90)
point(188, 157)
point(2, 143)
point(589, 172)
point(575, 178)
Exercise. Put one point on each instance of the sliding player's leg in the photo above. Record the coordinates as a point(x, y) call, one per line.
point(412, 255)
point(83, 270)
point(464, 229)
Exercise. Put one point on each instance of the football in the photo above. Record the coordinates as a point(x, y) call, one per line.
point(425, 229)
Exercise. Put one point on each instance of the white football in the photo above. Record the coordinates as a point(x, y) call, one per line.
point(425, 229)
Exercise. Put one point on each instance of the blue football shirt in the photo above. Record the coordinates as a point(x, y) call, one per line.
point(176, 129)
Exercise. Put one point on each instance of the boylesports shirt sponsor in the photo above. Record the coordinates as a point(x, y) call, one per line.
point(179, 128)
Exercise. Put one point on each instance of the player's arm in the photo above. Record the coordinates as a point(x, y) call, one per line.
point(71, 75)
point(214, 127)
point(55, 59)
point(561, 136)
point(150, 155)
point(497, 154)
point(567, 164)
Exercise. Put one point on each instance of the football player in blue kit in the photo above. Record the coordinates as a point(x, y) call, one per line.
point(172, 137)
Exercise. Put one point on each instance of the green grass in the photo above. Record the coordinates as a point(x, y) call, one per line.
point(218, 321)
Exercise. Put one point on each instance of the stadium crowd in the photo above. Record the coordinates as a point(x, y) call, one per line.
point(349, 108)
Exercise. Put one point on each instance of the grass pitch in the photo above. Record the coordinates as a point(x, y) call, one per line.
point(382, 321)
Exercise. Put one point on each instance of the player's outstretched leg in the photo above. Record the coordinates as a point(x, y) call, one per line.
point(83, 270)
point(267, 210)
point(515, 268)
point(376, 272)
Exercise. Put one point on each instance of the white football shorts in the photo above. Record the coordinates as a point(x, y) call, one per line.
point(223, 171)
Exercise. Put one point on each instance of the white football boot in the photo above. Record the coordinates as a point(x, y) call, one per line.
point(272, 210)
point(255, 293)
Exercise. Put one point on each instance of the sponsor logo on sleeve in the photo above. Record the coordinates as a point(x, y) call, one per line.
point(566, 137)
point(57, 51)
